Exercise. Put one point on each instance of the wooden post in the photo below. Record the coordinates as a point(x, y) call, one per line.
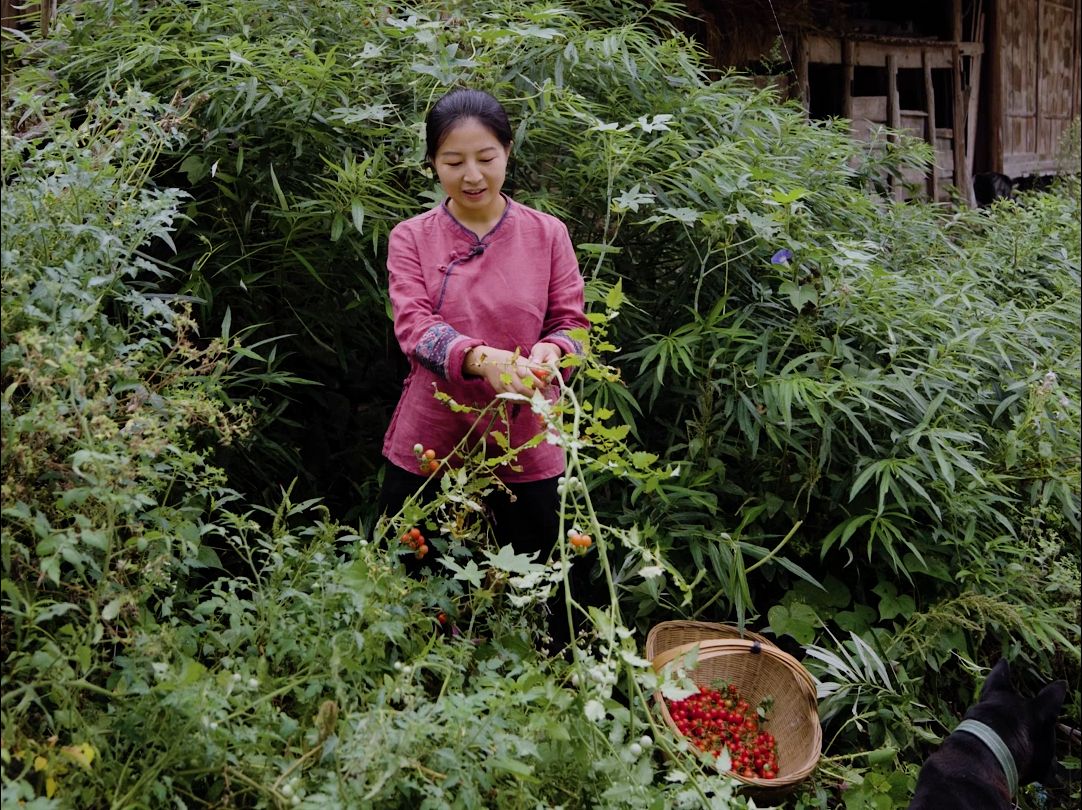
point(47, 9)
point(847, 79)
point(961, 172)
point(894, 114)
point(974, 92)
point(993, 48)
point(802, 85)
point(929, 126)
point(976, 34)
point(1038, 114)
point(1075, 45)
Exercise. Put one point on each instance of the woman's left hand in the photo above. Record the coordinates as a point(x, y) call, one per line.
point(546, 354)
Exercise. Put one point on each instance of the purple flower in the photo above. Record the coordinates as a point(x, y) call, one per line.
point(782, 256)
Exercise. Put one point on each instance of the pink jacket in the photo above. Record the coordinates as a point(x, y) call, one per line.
point(450, 291)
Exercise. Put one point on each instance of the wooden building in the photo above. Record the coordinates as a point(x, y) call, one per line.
point(24, 13)
point(992, 85)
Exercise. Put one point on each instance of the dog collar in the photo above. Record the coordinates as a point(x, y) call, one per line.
point(996, 745)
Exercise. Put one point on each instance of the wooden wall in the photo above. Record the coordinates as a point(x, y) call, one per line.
point(1034, 46)
point(23, 14)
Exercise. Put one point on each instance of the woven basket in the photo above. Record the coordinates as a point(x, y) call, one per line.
point(759, 670)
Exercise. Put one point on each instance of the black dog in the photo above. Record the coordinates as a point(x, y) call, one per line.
point(991, 186)
point(1005, 741)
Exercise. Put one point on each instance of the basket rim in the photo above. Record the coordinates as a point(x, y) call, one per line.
point(720, 630)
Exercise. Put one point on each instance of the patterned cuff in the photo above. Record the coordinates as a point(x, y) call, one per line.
point(433, 349)
point(564, 341)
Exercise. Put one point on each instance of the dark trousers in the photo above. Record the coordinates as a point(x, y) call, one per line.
point(529, 521)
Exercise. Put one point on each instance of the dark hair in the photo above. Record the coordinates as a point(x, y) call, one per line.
point(461, 103)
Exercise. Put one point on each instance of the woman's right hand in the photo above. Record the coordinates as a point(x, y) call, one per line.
point(506, 372)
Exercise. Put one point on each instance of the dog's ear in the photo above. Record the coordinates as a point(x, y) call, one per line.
point(1044, 709)
point(1048, 702)
point(998, 679)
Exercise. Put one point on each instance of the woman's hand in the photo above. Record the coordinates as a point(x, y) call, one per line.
point(546, 354)
point(509, 372)
point(546, 360)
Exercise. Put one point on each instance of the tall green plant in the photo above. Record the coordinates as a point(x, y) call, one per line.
point(110, 400)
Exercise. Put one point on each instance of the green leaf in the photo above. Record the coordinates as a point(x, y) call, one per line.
point(858, 620)
point(643, 460)
point(615, 298)
point(278, 190)
point(112, 608)
point(513, 767)
point(338, 225)
point(357, 212)
point(797, 620)
point(842, 533)
point(891, 604)
point(195, 167)
point(597, 249)
point(469, 573)
point(508, 560)
point(881, 756)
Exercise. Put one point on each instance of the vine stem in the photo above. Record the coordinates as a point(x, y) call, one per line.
point(573, 464)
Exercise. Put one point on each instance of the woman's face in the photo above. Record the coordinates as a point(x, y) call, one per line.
point(471, 164)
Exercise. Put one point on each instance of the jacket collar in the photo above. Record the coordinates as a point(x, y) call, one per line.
point(475, 237)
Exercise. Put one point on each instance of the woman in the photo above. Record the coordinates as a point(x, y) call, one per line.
point(486, 293)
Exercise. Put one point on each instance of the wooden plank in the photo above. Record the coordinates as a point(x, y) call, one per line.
point(802, 59)
point(944, 147)
point(972, 112)
point(929, 131)
point(958, 108)
point(7, 13)
point(1039, 81)
point(974, 89)
point(976, 33)
point(870, 108)
point(848, 71)
point(827, 50)
point(824, 50)
point(1042, 27)
point(874, 54)
point(915, 122)
point(995, 93)
point(1018, 55)
point(1060, 70)
point(1055, 50)
point(1076, 62)
point(1022, 165)
point(21, 15)
point(894, 114)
